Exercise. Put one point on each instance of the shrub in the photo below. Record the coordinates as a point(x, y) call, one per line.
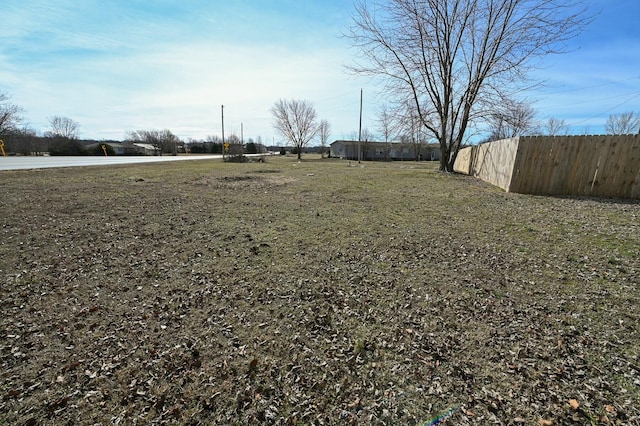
point(251, 148)
point(63, 146)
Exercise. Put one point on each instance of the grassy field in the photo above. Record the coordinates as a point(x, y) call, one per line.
point(313, 292)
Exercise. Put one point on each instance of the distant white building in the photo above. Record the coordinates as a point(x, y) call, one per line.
point(145, 149)
point(384, 151)
point(128, 148)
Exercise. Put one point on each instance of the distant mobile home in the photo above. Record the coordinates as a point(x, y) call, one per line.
point(384, 151)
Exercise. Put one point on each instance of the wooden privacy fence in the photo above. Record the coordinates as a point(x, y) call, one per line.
point(600, 166)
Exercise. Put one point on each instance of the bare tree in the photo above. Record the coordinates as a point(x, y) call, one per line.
point(324, 131)
point(63, 137)
point(164, 141)
point(169, 141)
point(623, 124)
point(366, 137)
point(553, 127)
point(63, 128)
point(235, 150)
point(24, 141)
point(513, 119)
point(296, 120)
point(386, 126)
point(214, 144)
point(10, 114)
point(456, 58)
point(149, 137)
point(411, 128)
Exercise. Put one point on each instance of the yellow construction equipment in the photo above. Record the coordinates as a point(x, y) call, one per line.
point(4, 154)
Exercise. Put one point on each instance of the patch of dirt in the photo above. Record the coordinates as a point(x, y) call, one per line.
point(256, 180)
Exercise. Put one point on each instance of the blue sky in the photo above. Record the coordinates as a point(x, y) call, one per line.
point(115, 66)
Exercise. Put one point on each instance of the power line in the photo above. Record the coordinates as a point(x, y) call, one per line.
point(575, 89)
point(609, 110)
point(597, 100)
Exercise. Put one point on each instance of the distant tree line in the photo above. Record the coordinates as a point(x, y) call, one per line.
point(214, 145)
point(296, 120)
point(62, 138)
point(205, 147)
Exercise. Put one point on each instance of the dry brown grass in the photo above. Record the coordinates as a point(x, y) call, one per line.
point(319, 292)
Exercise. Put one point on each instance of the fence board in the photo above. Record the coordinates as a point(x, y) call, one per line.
point(463, 160)
point(610, 170)
point(633, 164)
point(573, 167)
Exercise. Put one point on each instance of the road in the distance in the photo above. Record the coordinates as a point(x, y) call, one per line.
point(37, 162)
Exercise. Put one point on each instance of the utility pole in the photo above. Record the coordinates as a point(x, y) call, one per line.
point(360, 129)
point(222, 112)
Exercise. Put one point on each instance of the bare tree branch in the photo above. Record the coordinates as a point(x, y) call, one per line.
point(552, 127)
point(10, 114)
point(513, 118)
point(63, 127)
point(455, 57)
